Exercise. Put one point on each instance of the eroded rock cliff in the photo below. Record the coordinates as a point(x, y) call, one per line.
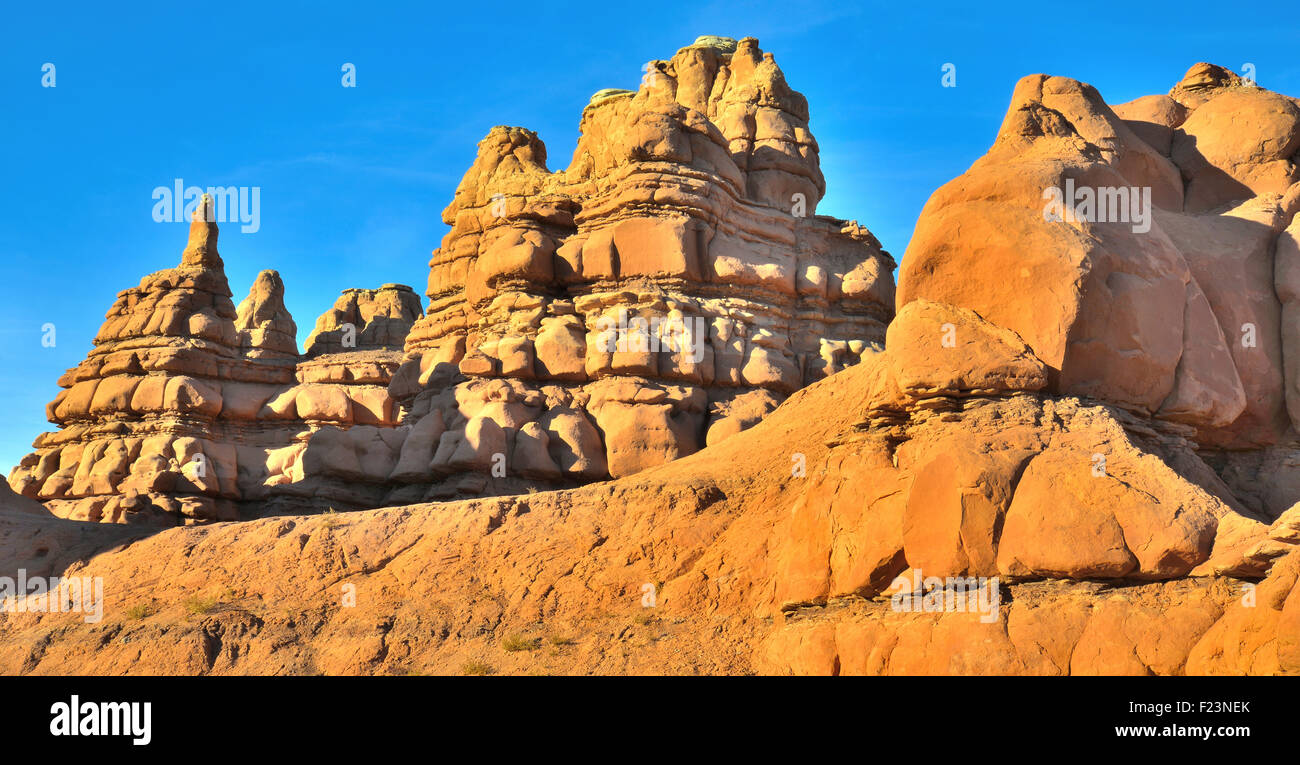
point(190, 410)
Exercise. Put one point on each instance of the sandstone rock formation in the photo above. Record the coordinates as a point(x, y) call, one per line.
point(1167, 292)
point(366, 320)
point(1039, 473)
point(12, 503)
point(667, 289)
point(265, 328)
point(190, 410)
point(741, 584)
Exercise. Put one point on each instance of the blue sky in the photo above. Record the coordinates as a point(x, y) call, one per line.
point(353, 180)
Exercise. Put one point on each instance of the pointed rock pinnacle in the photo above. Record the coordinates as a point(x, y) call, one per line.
point(201, 250)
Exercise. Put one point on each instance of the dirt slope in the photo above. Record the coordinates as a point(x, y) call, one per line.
point(553, 583)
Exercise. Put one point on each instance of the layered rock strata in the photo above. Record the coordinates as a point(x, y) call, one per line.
point(666, 290)
point(1005, 488)
point(755, 567)
point(190, 410)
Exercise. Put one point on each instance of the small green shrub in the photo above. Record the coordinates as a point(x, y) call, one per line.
point(476, 668)
point(520, 642)
point(198, 604)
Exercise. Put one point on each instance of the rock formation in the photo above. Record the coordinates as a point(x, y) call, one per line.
point(190, 410)
point(265, 328)
point(1072, 455)
point(366, 320)
point(1088, 384)
point(740, 583)
point(668, 290)
point(1180, 312)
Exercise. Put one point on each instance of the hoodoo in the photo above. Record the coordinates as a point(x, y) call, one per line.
point(689, 203)
point(189, 410)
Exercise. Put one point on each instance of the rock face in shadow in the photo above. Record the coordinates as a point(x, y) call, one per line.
point(12, 503)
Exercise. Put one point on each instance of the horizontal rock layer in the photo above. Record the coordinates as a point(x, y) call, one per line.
point(893, 488)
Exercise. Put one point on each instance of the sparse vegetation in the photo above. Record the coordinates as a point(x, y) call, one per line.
point(560, 640)
point(643, 618)
point(139, 611)
point(476, 668)
point(520, 642)
point(198, 604)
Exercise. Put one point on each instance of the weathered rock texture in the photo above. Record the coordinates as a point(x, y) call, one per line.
point(1189, 321)
point(366, 320)
point(741, 583)
point(188, 410)
point(688, 208)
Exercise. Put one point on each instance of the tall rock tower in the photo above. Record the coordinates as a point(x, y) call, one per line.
point(140, 432)
point(669, 288)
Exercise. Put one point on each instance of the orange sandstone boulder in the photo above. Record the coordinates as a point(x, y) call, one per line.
point(1176, 207)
